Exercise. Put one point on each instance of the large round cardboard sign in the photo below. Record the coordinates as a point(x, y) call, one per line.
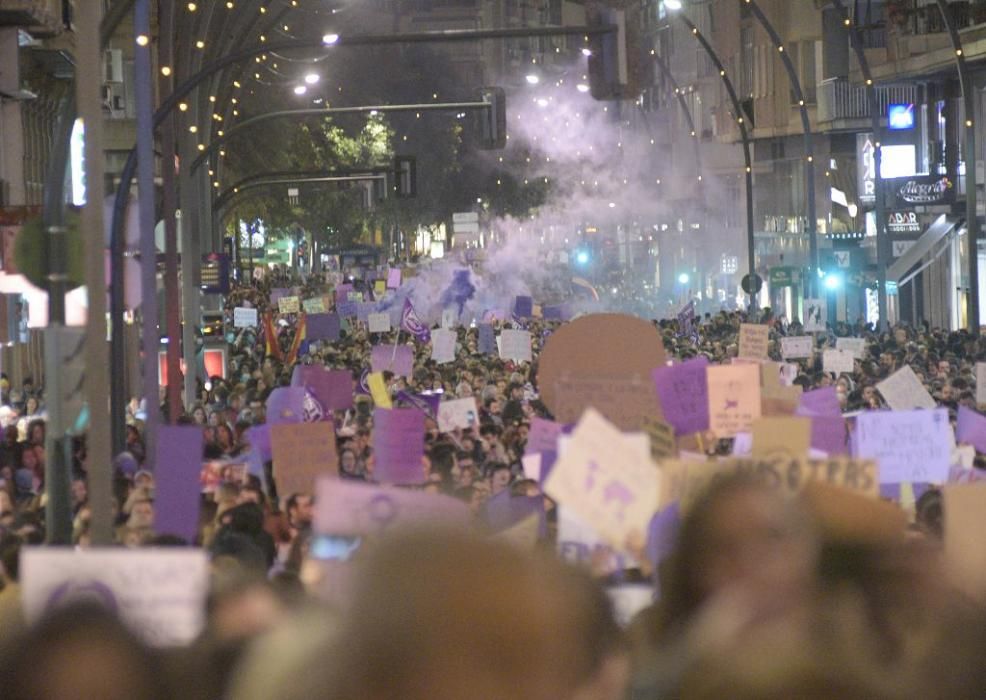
point(604, 361)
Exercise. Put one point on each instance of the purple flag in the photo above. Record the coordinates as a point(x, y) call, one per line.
point(322, 327)
point(399, 445)
point(412, 324)
point(820, 402)
point(684, 394)
point(286, 405)
point(426, 403)
point(333, 389)
point(351, 508)
point(524, 307)
point(828, 433)
point(487, 339)
point(177, 490)
point(259, 438)
point(401, 363)
point(342, 292)
point(971, 429)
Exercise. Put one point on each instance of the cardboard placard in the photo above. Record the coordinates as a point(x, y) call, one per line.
point(352, 508)
point(661, 437)
point(857, 346)
point(244, 317)
point(838, 361)
point(458, 414)
point(685, 480)
point(288, 305)
point(624, 402)
point(797, 347)
point(911, 446)
point(784, 437)
point(323, 327)
point(398, 445)
point(734, 398)
point(378, 323)
point(158, 593)
point(965, 521)
point(605, 481)
point(683, 392)
point(384, 358)
point(816, 315)
point(753, 341)
point(315, 305)
point(515, 345)
point(303, 452)
point(902, 391)
point(443, 345)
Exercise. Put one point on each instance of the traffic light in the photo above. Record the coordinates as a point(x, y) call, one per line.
point(617, 66)
point(493, 120)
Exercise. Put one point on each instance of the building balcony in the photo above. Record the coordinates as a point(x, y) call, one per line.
point(844, 106)
point(40, 17)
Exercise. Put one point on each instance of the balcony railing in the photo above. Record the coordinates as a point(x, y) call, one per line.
point(908, 17)
point(839, 99)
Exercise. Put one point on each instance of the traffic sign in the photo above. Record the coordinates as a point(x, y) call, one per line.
point(752, 284)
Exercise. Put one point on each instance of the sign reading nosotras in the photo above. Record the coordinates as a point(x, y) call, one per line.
point(753, 341)
point(797, 347)
point(684, 481)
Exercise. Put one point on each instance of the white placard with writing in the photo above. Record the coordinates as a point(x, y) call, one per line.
point(244, 317)
point(515, 345)
point(459, 413)
point(837, 361)
point(443, 345)
point(902, 391)
point(159, 593)
point(753, 341)
point(816, 315)
point(288, 305)
point(912, 446)
point(857, 346)
point(797, 347)
point(378, 323)
point(605, 480)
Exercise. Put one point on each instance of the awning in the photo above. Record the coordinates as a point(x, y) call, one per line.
point(932, 242)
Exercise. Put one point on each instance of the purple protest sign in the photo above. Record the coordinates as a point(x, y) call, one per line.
point(259, 438)
point(960, 475)
point(828, 433)
point(820, 402)
point(384, 359)
point(364, 309)
point(554, 313)
point(177, 491)
point(426, 403)
point(684, 394)
point(277, 294)
point(347, 308)
point(487, 339)
point(342, 292)
point(286, 405)
point(524, 307)
point(971, 429)
point(322, 327)
point(351, 508)
point(505, 510)
point(398, 445)
point(394, 278)
point(662, 533)
point(333, 389)
point(543, 436)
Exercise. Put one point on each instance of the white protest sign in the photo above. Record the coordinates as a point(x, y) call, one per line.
point(532, 466)
point(837, 361)
point(515, 345)
point(604, 480)
point(288, 305)
point(244, 317)
point(912, 446)
point(460, 413)
point(449, 317)
point(797, 347)
point(315, 305)
point(816, 315)
point(443, 345)
point(902, 391)
point(378, 323)
point(981, 383)
point(753, 341)
point(579, 543)
point(159, 593)
point(857, 346)
point(788, 373)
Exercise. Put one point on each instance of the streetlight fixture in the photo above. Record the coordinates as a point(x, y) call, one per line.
point(311, 78)
point(300, 89)
point(582, 87)
point(329, 39)
point(532, 79)
point(672, 4)
point(683, 278)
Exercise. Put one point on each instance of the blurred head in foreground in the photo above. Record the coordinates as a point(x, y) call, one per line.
point(446, 615)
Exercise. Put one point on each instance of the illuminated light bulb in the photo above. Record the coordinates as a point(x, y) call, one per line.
point(220, 132)
point(212, 98)
point(200, 44)
point(329, 39)
point(236, 83)
point(183, 106)
point(201, 147)
point(142, 40)
point(194, 129)
point(192, 7)
point(311, 78)
point(229, 5)
point(165, 71)
point(300, 89)
point(582, 87)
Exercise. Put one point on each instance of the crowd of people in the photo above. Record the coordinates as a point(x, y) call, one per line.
point(760, 596)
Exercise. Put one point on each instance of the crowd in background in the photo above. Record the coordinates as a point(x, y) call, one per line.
point(761, 597)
